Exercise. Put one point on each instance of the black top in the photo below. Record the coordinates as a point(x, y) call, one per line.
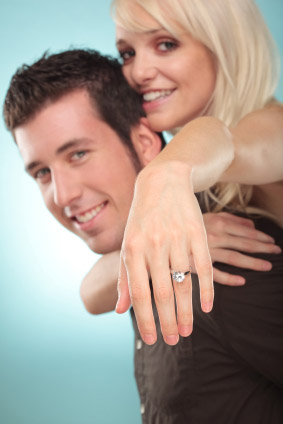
point(230, 370)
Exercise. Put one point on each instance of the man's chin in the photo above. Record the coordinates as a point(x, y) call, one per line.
point(103, 247)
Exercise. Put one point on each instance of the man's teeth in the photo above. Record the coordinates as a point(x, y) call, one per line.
point(90, 214)
point(154, 95)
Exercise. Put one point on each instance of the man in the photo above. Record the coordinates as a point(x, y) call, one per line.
point(83, 137)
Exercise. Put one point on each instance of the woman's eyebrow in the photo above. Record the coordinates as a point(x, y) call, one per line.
point(120, 41)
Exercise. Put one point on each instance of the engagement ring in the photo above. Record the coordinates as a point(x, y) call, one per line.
point(180, 276)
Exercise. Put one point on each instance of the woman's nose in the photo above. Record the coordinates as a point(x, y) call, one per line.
point(142, 71)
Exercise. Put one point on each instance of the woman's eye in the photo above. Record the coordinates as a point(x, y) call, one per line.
point(167, 45)
point(125, 55)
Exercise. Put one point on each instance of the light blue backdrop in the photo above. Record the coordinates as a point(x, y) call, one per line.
point(58, 364)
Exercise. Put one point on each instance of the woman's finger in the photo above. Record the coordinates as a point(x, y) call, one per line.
point(227, 279)
point(240, 243)
point(140, 294)
point(240, 260)
point(237, 219)
point(183, 294)
point(203, 266)
point(224, 223)
point(124, 300)
point(164, 295)
point(251, 233)
point(180, 271)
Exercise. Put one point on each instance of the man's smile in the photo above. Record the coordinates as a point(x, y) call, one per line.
point(81, 220)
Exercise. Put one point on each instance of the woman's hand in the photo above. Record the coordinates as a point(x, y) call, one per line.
point(165, 228)
point(227, 236)
point(160, 239)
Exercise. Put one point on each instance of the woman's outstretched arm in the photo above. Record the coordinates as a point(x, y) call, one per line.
point(165, 226)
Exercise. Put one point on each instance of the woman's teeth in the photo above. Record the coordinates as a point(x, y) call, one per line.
point(90, 214)
point(154, 95)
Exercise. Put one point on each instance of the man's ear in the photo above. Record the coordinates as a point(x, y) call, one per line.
point(146, 142)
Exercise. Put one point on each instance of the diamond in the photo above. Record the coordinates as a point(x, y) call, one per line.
point(178, 276)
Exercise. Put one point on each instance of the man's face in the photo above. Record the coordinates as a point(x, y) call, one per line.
point(85, 173)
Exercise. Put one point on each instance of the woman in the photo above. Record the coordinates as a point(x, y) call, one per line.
point(180, 79)
point(195, 68)
point(198, 69)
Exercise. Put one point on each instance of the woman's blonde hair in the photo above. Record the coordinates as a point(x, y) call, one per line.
point(246, 58)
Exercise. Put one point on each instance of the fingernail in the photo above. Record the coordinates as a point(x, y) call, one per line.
point(266, 266)
point(269, 239)
point(185, 330)
point(277, 249)
point(171, 340)
point(240, 280)
point(149, 339)
point(206, 306)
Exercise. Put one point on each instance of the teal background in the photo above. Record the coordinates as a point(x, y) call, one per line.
point(58, 364)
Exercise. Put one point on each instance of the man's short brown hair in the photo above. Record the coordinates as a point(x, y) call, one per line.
point(34, 86)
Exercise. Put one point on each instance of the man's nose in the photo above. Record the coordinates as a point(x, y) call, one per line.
point(143, 69)
point(66, 189)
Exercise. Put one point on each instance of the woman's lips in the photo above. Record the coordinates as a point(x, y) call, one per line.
point(155, 98)
point(150, 96)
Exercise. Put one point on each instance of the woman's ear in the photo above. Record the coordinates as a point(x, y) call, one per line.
point(146, 142)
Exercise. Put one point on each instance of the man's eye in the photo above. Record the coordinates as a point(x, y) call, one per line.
point(78, 155)
point(41, 173)
point(165, 46)
point(126, 55)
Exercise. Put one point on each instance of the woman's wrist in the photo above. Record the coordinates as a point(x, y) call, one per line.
point(163, 171)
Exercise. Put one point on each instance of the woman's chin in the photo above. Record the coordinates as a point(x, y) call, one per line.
point(162, 122)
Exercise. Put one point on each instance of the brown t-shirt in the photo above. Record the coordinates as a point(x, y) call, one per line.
point(230, 370)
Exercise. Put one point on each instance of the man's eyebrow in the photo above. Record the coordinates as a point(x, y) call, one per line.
point(31, 165)
point(76, 142)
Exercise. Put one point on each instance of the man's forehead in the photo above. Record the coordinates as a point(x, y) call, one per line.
point(70, 122)
point(67, 114)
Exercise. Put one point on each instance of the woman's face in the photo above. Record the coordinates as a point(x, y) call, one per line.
point(175, 76)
